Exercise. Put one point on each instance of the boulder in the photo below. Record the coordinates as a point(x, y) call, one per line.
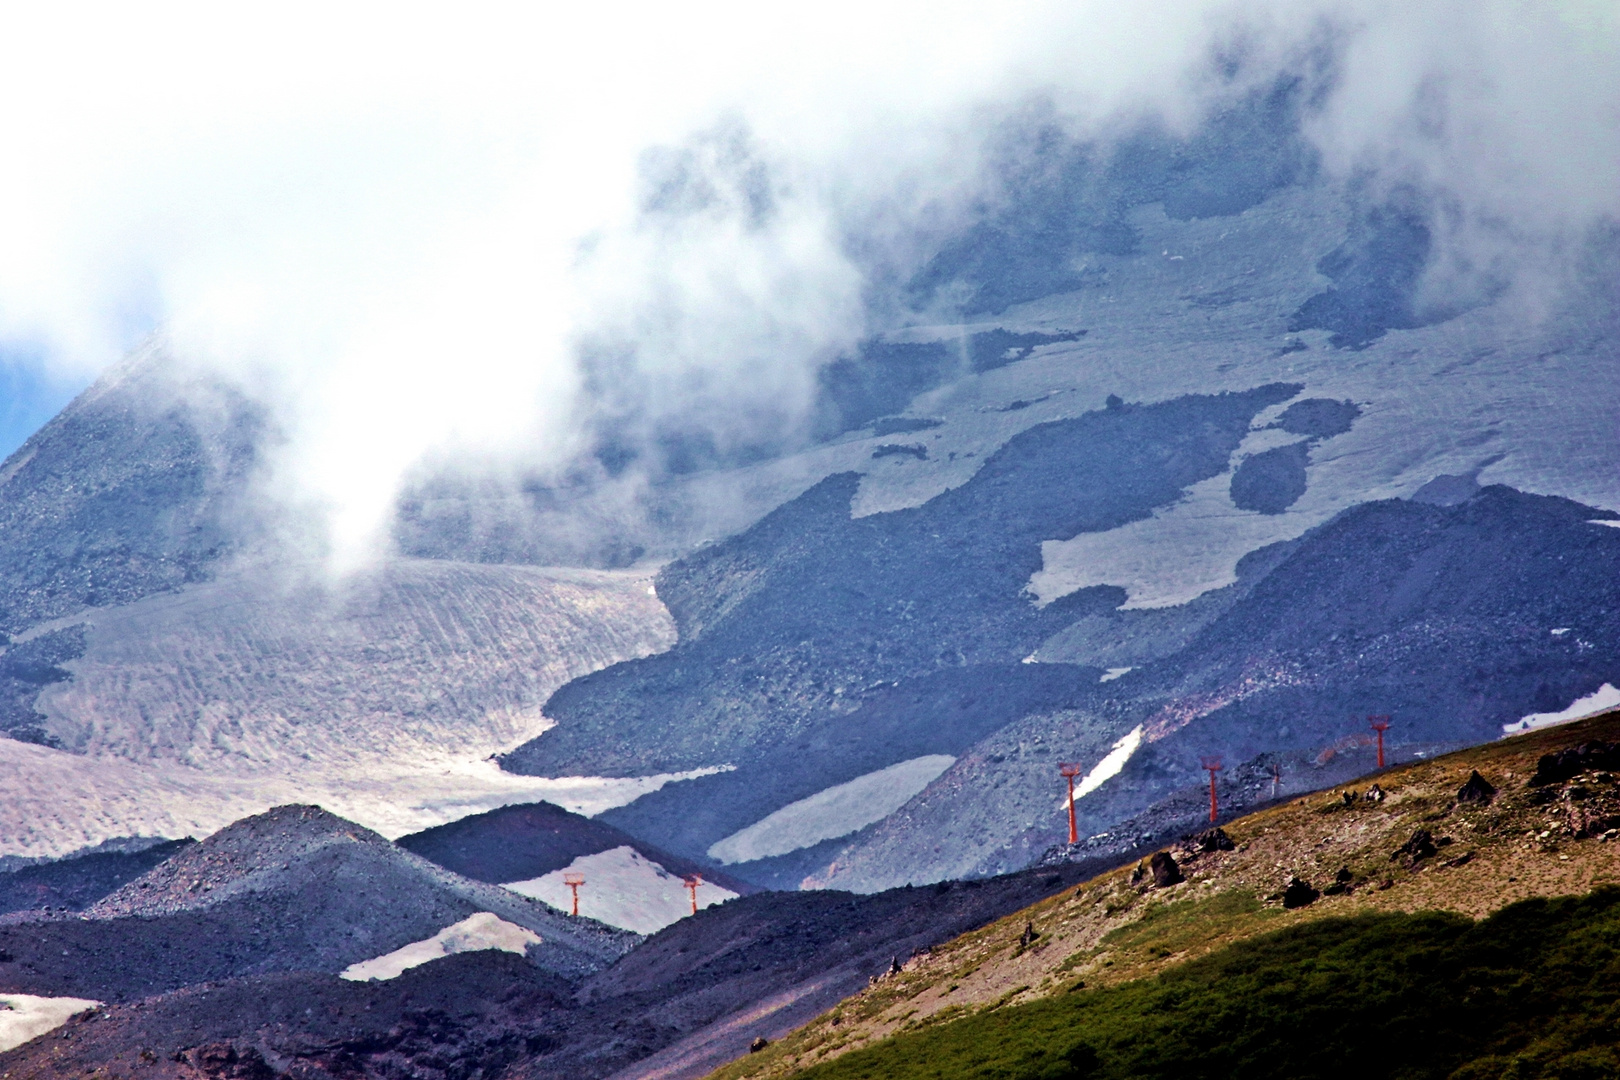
point(760, 1042)
point(1299, 893)
point(1477, 791)
point(1214, 840)
point(1415, 850)
point(1559, 766)
point(1164, 869)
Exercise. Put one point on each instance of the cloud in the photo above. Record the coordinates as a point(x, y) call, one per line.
point(406, 229)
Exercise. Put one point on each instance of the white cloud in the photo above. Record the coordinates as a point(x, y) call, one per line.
point(399, 225)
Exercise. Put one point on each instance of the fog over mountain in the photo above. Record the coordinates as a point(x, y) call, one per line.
point(726, 458)
point(470, 250)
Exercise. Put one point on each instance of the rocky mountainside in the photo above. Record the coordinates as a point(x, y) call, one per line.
point(226, 957)
point(1457, 620)
point(1472, 833)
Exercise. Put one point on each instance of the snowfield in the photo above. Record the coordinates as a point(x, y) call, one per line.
point(24, 1016)
point(480, 931)
point(383, 700)
point(836, 811)
point(622, 888)
point(1602, 699)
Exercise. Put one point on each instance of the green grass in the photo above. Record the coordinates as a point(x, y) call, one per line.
point(1532, 992)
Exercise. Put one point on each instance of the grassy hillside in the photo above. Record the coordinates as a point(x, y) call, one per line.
point(1216, 976)
point(1531, 991)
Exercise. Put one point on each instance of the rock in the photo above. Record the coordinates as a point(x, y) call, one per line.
point(759, 1043)
point(222, 1061)
point(1138, 874)
point(1477, 791)
point(1557, 767)
point(1415, 850)
point(1299, 894)
point(1375, 794)
point(1164, 869)
point(1341, 883)
point(1349, 798)
point(1029, 935)
point(1214, 840)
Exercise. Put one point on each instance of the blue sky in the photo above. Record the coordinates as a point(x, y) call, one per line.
point(27, 399)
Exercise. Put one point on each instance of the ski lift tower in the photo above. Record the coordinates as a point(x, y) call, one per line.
point(574, 881)
point(692, 883)
point(1069, 770)
point(1212, 765)
point(1379, 724)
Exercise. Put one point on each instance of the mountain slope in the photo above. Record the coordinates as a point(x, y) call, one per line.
point(1530, 991)
point(1457, 620)
point(78, 881)
point(788, 628)
point(1428, 839)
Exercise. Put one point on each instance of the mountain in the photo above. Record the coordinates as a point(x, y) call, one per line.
point(294, 889)
point(1276, 943)
point(531, 848)
point(228, 957)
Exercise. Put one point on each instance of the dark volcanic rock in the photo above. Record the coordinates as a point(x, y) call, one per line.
point(1476, 791)
point(1573, 760)
point(1421, 846)
point(1271, 481)
point(76, 882)
point(475, 1014)
point(1299, 894)
point(1164, 869)
point(788, 627)
point(1214, 840)
point(1437, 615)
point(28, 667)
point(1375, 275)
point(689, 999)
point(127, 492)
point(1067, 198)
point(1320, 418)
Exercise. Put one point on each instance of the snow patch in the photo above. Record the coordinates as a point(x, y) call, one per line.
point(1108, 768)
point(836, 811)
point(480, 931)
point(1610, 524)
point(622, 888)
point(1115, 672)
point(24, 1016)
point(1602, 699)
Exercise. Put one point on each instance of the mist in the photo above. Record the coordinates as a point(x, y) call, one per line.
point(503, 238)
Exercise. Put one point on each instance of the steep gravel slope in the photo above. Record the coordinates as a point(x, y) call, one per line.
point(78, 881)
